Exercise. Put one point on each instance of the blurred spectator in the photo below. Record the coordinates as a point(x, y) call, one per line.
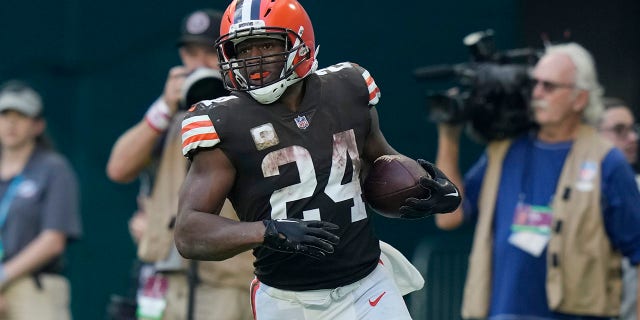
point(207, 290)
point(555, 209)
point(618, 126)
point(38, 211)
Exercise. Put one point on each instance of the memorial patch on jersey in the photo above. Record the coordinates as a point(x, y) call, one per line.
point(374, 91)
point(198, 132)
point(264, 136)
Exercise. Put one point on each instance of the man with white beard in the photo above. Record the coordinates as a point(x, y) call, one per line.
point(555, 209)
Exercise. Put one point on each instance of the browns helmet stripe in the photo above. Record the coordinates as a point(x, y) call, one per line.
point(247, 10)
point(237, 16)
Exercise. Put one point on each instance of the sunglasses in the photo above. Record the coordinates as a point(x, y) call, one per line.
point(550, 86)
point(622, 131)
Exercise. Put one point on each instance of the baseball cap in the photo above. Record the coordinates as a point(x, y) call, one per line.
point(18, 96)
point(201, 26)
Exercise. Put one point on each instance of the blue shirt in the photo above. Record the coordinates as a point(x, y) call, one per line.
point(47, 199)
point(530, 172)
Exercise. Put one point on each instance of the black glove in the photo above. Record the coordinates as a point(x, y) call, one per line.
point(443, 196)
point(312, 238)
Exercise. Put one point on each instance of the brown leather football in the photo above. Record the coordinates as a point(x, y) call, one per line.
point(391, 180)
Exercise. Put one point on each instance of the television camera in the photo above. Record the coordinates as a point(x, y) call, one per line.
point(493, 93)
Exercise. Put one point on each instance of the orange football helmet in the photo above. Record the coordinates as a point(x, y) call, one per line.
point(281, 19)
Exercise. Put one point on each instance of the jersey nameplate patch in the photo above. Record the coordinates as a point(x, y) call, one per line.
point(302, 122)
point(264, 136)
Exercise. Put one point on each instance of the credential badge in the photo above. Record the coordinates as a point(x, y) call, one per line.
point(264, 136)
point(302, 122)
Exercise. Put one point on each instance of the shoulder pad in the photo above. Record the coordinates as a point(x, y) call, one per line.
point(374, 91)
point(197, 129)
point(209, 104)
point(334, 68)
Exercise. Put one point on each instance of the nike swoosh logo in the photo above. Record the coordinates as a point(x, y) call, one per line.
point(375, 302)
point(452, 194)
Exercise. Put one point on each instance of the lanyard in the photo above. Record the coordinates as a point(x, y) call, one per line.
point(8, 198)
point(525, 184)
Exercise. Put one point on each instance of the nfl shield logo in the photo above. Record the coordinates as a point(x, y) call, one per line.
point(302, 122)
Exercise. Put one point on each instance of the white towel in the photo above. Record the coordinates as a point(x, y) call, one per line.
point(406, 276)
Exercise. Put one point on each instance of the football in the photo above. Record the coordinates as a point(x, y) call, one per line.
point(391, 180)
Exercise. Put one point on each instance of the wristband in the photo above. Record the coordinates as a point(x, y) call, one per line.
point(158, 115)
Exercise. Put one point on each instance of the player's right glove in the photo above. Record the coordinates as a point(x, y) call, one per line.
point(444, 196)
point(311, 238)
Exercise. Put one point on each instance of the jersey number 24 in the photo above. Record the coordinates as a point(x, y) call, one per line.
point(344, 145)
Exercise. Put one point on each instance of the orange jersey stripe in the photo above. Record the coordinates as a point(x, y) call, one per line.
point(194, 125)
point(374, 94)
point(369, 81)
point(200, 137)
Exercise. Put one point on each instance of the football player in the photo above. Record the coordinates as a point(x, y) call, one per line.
point(288, 148)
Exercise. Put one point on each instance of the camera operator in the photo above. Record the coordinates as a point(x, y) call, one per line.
point(554, 208)
point(493, 96)
point(179, 289)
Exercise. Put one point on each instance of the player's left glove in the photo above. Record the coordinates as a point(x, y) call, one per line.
point(444, 196)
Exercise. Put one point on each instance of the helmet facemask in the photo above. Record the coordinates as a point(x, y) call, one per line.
point(237, 72)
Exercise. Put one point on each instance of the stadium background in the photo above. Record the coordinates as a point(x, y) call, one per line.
point(99, 65)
